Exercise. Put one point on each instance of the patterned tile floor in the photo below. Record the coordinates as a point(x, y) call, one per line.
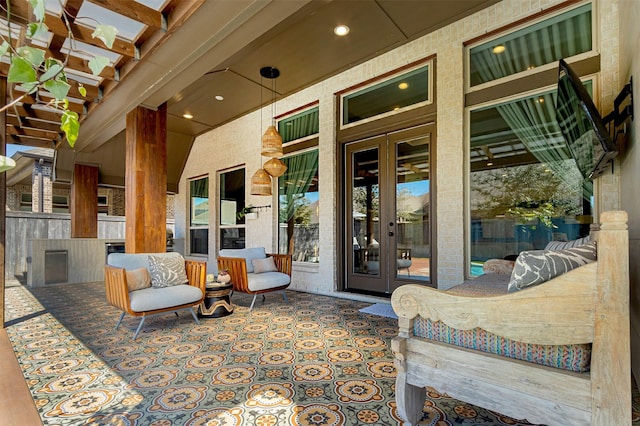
point(314, 361)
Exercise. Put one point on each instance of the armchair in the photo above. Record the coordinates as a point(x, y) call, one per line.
point(252, 273)
point(149, 300)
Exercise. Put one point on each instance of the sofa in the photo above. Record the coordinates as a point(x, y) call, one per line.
point(144, 284)
point(556, 342)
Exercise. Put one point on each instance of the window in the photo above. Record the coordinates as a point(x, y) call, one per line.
point(410, 89)
point(298, 231)
point(103, 204)
point(524, 187)
point(60, 204)
point(300, 125)
point(199, 216)
point(232, 192)
point(561, 36)
point(26, 200)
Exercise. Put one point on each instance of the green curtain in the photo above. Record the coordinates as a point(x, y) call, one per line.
point(532, 119)
point(200, 188)
point(300, 125)
point(296, 181)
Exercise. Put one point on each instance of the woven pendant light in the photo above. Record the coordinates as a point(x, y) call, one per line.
point(260, 183)
point(271, 143)
point(275, 167)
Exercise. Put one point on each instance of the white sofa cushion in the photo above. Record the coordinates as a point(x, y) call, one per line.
point(133, 260)
point(152, 298)
point(267, 280)
point(247, 253)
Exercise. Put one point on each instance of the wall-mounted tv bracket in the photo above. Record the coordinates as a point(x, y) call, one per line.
point(618, 116)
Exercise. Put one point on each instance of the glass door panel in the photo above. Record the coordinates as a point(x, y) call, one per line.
point(411, 233)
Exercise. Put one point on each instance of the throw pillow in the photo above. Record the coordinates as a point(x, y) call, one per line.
point(537, 266)
point(137, 279)
point(498, 266)
point(167, 270)
point(264, 265)
point(563, 245)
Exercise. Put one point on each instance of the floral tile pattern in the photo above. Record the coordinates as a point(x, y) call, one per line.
point(315, 361)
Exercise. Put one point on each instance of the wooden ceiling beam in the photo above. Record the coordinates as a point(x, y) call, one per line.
point(81, 33)
point(136, 11)
point(30, 131)
point(31, 100)
point(26, 110)
point(32, 122)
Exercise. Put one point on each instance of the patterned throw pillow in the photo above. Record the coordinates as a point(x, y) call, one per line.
point(563, 245)
point(537, 266)
point(167, 270)
point(137, 279)
point(264, 265)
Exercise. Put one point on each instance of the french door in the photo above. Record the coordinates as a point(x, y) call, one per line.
point(388, 210)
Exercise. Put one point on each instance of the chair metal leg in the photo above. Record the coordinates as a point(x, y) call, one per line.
point(193, 314)
point(284, 296)
point(120, 320)
point(176, 312)
point(139, 327)
point(253, 301)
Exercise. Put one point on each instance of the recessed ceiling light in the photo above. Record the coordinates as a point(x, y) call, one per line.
point(187, 116)
point(341, 30)
point(489, 163)
point(499, 48)
point(403, 85)
point(219, 98)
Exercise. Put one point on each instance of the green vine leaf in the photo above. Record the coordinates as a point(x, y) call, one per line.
point(70, 126)
point(97, 64)
point(59, 89)
point(36, 29)
point(21, 71)
point(3, 48)
point(51, 71)
point(106, 33)
point(30, 87)
point(33, 55)
point(6, 163)
point(38, 9)
point(82, 90)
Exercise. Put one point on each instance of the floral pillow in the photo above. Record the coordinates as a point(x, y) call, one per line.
point(537, 266)
point(167, 270)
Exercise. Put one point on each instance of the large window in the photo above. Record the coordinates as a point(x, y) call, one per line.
point(561, 36)
point(199, 216)
point(298, 207)
point(524, 187)
point(395, 94)
point(232, 203)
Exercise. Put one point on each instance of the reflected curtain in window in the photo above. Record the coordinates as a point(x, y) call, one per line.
point(532, 119)
point(562, 36)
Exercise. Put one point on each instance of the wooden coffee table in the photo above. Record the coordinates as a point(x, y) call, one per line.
point(217, 301)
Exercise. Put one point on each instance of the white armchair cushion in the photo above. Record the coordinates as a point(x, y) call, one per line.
point(267, 280)
point(152, 298)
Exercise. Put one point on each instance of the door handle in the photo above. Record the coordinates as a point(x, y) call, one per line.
point(390, 233)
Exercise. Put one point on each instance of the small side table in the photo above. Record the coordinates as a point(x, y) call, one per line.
point(217, 301)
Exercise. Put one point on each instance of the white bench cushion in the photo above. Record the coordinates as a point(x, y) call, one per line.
point(152, 298)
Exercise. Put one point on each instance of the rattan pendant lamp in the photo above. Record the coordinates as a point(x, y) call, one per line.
point(271, 143)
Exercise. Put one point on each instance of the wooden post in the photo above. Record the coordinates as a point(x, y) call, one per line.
point(84, 202)
point(146, 180)
point(611, 372)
